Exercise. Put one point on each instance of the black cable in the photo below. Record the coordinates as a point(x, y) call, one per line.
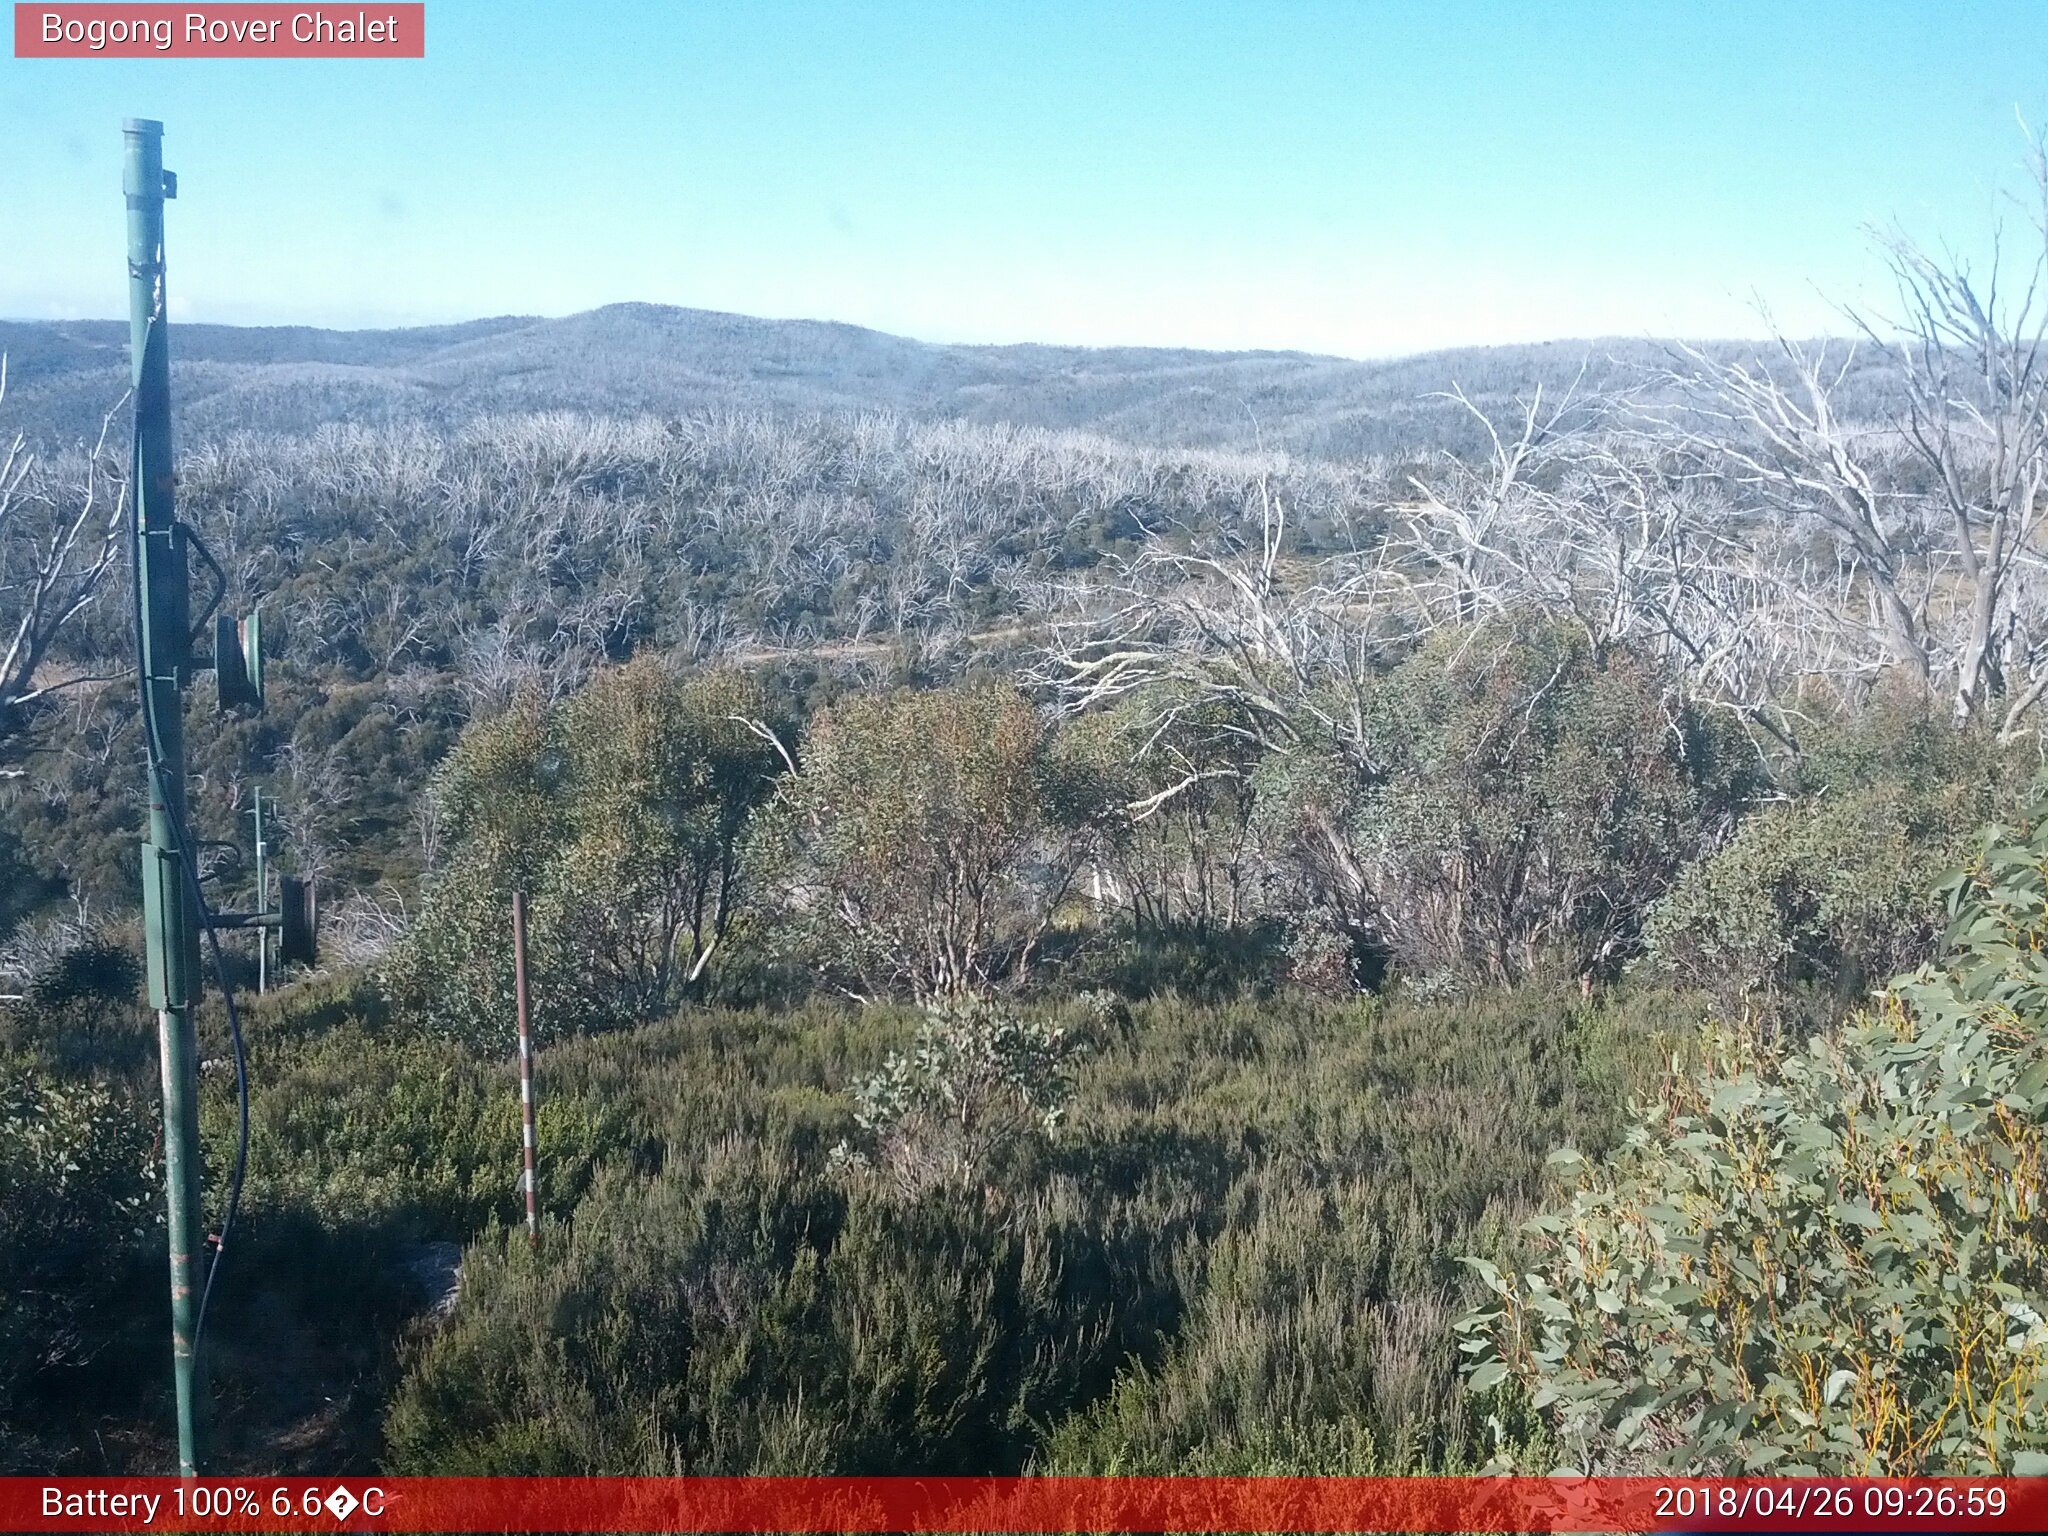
point(153, 745)
point(227, 997)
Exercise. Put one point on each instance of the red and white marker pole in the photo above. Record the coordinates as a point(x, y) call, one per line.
point(526, 1180)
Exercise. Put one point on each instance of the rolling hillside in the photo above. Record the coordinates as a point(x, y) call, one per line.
point(633, 358)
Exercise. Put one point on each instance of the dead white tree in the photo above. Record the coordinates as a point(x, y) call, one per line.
point(1584, 510)
point(1976, 420)
point(1193, 621)
point(60, 534)
point(1763, 542)
point(1477, 541)
point(1920, 525)
point(1768, 433)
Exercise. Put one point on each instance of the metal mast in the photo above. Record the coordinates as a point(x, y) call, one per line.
point(163, 621)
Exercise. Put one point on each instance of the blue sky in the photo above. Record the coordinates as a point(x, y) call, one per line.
point(1365, 178)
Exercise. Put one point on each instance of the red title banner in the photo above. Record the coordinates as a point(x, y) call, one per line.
point(239, 31)
point(1848, 1506)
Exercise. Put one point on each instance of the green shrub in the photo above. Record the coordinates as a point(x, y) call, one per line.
point(927, 843)
point(1228, 1183)
point(1833, 889)
point(1519, 801)
point(1830, 1257)
point(1321, 956)
point(1171, 779)
point(1334, 1157)
point(80, 1008)
point(619, 812)
point(1142, 960)
point(1290, 1333)
point(761, 1320)
point(79, 1218)
point(1252, 1205)
point(360, 1118)
point(977, 1083)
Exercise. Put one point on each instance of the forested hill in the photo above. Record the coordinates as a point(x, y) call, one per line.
point(630, 358)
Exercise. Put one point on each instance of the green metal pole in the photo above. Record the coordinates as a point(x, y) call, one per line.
point(170, 925)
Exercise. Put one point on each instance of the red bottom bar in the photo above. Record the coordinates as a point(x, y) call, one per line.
point(1847, 1506)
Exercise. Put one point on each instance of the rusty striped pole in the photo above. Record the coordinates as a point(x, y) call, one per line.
point(525, 1066)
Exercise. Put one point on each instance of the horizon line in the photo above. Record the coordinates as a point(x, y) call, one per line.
point(849, 325)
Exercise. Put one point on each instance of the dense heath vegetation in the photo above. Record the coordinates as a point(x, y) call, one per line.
point(1059, 952)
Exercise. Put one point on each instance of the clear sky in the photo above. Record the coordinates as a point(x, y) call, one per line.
point(1363, 177)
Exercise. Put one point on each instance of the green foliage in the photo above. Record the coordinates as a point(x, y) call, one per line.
point(1832, 889)
point(357, 1118)
point(1523, 800)
point(1133, 960)
point(760, 1320)
point(977, 1082)
point(455, 964)
point(1832, 893)
point(97, 976)
point(1348, 1148)
point(78, 1203)
point(1177, 1279)
point(1294, 1349)
point(620, 813)
point(1228, 1183)
point(659, 780)
point(81, 1007)
point(1320, 954)
point(1830, 1257)
point(357, 1125)
point(926, 844)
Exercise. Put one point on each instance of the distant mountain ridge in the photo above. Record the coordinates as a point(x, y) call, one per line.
point(635, 358)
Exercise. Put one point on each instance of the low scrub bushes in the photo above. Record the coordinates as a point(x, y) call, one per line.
point(761, 1319)
point(1823, 1257)
point(1831, 890)
point(977, 1085)
point(1234, 1249)
point(79, 1203)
